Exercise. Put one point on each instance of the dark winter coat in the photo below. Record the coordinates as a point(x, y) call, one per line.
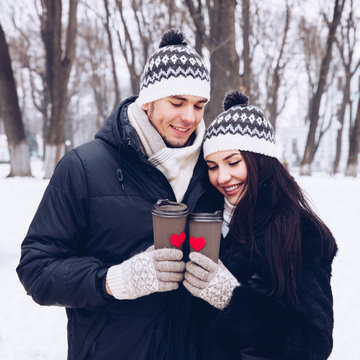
point(96, 212)
point(255, 319)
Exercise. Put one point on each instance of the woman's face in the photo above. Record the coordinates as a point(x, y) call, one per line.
point(228, 173)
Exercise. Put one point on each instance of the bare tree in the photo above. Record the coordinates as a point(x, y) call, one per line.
point(135, 43)
point(224, 60)
point(253, 18)
point(94, 52)
point(246, 56)
point(310, 149)
point(127, 46)
point(111, 52)
point(327, 115)
point(346, 43)
point(276, 70)
point(312, 49)
point(139, 26)
point(58, 67)
point(197, 15)
point(354, 143)
point(11, 115)
point(28, 55)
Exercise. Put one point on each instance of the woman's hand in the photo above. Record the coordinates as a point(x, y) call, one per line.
point(209, 281)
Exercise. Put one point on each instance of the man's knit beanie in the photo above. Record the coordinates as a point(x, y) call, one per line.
point(174, 69)
point(240, 127)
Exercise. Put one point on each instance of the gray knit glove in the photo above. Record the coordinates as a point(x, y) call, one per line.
point(209, 281)
point(145, 273)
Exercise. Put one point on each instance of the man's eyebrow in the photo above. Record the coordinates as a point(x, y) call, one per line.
point(184, 99)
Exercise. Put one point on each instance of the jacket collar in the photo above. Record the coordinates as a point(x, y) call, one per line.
point(117, 130)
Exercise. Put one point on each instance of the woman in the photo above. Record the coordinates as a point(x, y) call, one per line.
point(272, 286)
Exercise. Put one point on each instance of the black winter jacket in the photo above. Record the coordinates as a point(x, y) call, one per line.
point(255, 319)
point(96, 212)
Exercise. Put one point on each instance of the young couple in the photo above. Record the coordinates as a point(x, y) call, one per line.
point(89, 250)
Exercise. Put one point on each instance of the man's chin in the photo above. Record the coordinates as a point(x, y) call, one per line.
point(177, 143)
point(174, 144)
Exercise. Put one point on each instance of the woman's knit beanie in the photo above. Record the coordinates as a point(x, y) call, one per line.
point(240, 127)
point(174, 69)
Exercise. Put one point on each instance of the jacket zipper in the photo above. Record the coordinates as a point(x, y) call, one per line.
point(147, 166)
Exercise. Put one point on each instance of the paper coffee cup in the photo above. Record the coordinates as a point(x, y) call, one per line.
point(169, 221)
point(205, 233)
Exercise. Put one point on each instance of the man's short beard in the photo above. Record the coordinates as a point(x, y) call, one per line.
point(189, 141)
point(172, 145)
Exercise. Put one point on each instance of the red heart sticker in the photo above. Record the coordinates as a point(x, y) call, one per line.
point(197, 243)
point(177, 240)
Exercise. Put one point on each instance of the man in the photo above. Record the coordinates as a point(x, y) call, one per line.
point(88, 247)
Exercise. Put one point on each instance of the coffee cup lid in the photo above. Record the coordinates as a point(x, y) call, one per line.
point(216, 216)
point(167, 208)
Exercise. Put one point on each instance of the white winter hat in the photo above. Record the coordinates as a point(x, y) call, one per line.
point(174, 69)
point(240, 127)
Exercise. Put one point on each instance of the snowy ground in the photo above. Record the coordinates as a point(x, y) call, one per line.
point(31, 332)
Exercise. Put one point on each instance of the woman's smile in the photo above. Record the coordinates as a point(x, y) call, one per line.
point(228, 173)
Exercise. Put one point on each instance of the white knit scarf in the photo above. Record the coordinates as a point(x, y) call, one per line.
point(177, 164)
point(228, 210)
point(227, 215)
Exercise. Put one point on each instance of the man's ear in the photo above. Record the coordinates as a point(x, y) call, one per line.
point(145, 107)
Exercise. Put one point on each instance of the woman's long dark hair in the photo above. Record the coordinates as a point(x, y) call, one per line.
point(286, 206)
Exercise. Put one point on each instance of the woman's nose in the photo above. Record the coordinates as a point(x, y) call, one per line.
point(224, 176)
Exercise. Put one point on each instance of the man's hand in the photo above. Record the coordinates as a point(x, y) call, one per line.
point(209, 281)
point(145, 273)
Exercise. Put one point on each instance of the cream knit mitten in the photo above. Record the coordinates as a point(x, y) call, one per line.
point(209, 281)
point(145, 273)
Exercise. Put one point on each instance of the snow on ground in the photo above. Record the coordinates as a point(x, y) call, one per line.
point(337, 201)
point(32, 332)
point(27, 330)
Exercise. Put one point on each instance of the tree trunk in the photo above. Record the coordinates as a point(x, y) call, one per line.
point(246, 30)
point(274, 94)
point(309, 151)
point(354, 145)
point(346, 43)
point(341, 115)
point(128, 49)
point(111, 52)
point(278, 74)
point(58, 67)
point(198, 19)
point(10, 111)
point(224, 61)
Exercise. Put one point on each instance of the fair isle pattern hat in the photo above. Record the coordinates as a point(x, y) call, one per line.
point(174, 69)
point(240, 127)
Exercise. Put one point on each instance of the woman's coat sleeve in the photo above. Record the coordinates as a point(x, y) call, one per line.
point(304, 332)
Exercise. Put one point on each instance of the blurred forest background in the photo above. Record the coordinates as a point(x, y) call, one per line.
point(66, 64)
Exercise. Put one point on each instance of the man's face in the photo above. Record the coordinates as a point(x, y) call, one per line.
point(175, 117)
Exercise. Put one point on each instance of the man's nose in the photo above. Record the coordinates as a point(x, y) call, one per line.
point(188, 114)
